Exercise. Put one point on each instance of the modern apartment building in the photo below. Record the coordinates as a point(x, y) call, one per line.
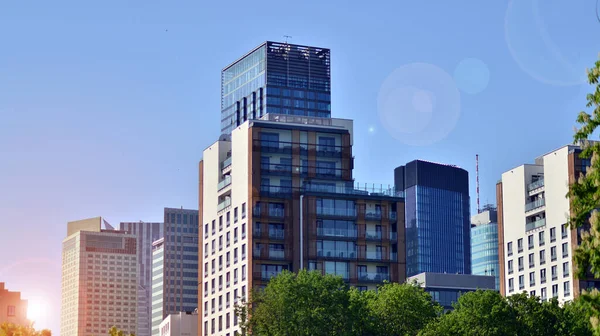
point(181, 324)
point(146, 233)
point(13, 309)
point(438, 227)
point(535, 243)
point(484, 244)
point(277, 78)
point(175, 266)
point(278, 194)
point(99, 279)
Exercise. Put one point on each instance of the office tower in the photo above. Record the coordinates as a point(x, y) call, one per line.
point(484, 244)
point(180, 324)
point(278, 78)
point(13, 309)
point(99, 279)
point(535, 242)
point(146, 233)
point(175, 266)
point(278, 194)
point(437, 217)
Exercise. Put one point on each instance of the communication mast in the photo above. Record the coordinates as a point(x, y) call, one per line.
point(477, 174)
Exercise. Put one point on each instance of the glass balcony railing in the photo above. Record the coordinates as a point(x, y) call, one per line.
point(535, 185)
point(276, 233)
point(277, 254)
point(373, 215)
point(393, 236)
point(224, 204)
point(535, 204)
point(394, 256)
point(224, 183)
point(226, 163)
point(393, 215)
point(267, 275)
point(340, 212)
point(376, 235)
point(373, 277)
point(342, 233)
point(534, 225)
point(336, 254)
point(374, 255)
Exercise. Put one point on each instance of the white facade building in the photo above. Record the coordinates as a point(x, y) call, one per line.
point(535, 243)
point(182, 324)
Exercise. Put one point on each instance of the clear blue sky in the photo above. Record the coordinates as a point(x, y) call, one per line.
point(105, 107)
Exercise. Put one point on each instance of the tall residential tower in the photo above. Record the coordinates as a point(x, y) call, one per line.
point(484, 244)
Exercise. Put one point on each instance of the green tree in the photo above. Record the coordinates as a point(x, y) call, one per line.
point(584, 195)
point(401, 309)
point(114, 331)
point(10, 329)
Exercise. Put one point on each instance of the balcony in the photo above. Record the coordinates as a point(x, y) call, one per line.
point(373, 277)
point(393, 216)
point(373, 215)
point(224, 183)
point(272, 212)
point(265, 275)
point(223, 205)
point(336, 212)
point(535, 225)
point(275, 169)
point(226, 164)
point(377, 256)
point(535, 185)
point(276, 191)
point(276, 234)
point(393, 236)
point(373, 235)
point(339, 233)
point(535, 204)
point(336, 254)
point(269, 254)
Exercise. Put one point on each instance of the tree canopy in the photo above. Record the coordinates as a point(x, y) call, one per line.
point(10, 329)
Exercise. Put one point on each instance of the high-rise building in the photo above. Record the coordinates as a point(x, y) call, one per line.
point(484, 244)
point(437, 217)
point(277, 78)
point(279, 195)
point(146, 233)
point(99, 279)
point(13, 309)
point(175, 266)
point(535, 242)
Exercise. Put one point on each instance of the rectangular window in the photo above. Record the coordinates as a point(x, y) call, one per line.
point(243, 251)
point(565, 250)
point(554, 290)
point(228, 218)
point(532, 279)
point(235, 235)
point(221, 243)
point(564, 230)
point(553, 253)
point(543, 275)
point(530, 242)
point(544, 297)
point(567, 288)
point(214, 226)
point(554, 272)
point(509, 249)
point(510, 267)
point(541, 238)
point(11, 311)
point(520, 245)
point(511, 285)
point(243, 272)
point(243, 230)
point(542, 257)
point(220, 223)
point(531, 260)
point(235, 215)
point(521, 266)
point(243, 210)
point(552, 235)
point(566, 269)
point(228, 239)
point(521, 282)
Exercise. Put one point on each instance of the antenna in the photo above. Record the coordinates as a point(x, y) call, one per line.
point(477, 174)
point(286, 38)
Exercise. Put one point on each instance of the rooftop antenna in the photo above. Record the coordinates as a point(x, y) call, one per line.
point(286, 38)
point(477, 174)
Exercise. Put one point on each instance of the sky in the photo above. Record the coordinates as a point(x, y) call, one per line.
point(106, 107)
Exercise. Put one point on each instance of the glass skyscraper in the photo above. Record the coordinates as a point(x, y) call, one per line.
point(277, 78)
point(484, 244)
point(436, 216)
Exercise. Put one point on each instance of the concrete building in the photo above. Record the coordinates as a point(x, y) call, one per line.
point(484, 244)
point(535, 243)
point(99, 279)
point(13, 309)
point(175, 266)
point(276, 78)
point(278, 194)
point(445, 289)
point(438, 228)
point(181, 324)
point(146, 233)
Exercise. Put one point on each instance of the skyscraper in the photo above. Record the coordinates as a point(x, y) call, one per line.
point(146, 233)
point(437, 217)
point(536, 244)
point(99, 279)
point(278, 78)
point(484, 244)
point(175, 266)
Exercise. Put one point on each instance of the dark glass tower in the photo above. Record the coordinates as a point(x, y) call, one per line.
point(277, 78)
point(438, 237)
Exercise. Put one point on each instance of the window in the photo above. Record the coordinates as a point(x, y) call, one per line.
point(564, 230)
point(552, 235)
point(221, 243)
point(220, 284)
point(521, 281)
point(521, 264)
point(243, 230)
point(554, 290)
point(532, 293)
point(554, 272)
point(11, 311)
point(530, 242)
point(227, 259)
point(531, 260)
point(220, 262)
point(565, 269)
point(509, 248)
point(228, 239)
point(220, 223)
point(565, 250)
point(520, 245)
point(511, 285)
point(243, 210)
point(543, 275)
point(228, 218)
point(340, 268)
point(235, 276)
point(553, 253)
point(205, 269)
point(542, 257)
point(206, 289)
point(510, 267)
point(544, 294)
point(541, 238)
point(212, 265)
point(205, 230)
point(567, 288)
point(243, 272)
point(235, 215)
point(214, 228)
point(235, 235)
point(532, 279)
point(206, 250)
point(244, 252)
point(214, 246)
point(235, 257)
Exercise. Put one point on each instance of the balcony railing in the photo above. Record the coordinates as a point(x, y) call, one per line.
point(353, 189)
point(534, 225)
point(373, 235)
point(269, 253)
point(535, 204)
point(276, 191)
point(393, 215)
point(373, 215)
point(342, 233)
point(336, 254)
point(373, 277)
point(535, 185)
point(324, 211)
point(266, 275)
point(275, 168)
point(224, 183)
point(224, 204)
point(276, 234)
point(393, 236)
point(226, 163)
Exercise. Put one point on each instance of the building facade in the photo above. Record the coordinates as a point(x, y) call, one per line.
point(278, 78)
point(99, 279)
point(279, 195)
point(535, 242)
point(437, 217)
point(181, 324)
point(146, 233)
point(13, 309)
point(445, 289)
point(175, 266)
point(484, 244)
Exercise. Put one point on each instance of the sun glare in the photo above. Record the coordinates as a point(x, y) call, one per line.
point(36, 312)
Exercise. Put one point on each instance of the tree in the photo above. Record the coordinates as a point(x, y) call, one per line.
point(584, 195)
point(10, 329)
point(114, 331)
point(401, 309)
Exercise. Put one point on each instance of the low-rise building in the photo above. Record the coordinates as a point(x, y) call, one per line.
point(180, 324)
point(13, 309)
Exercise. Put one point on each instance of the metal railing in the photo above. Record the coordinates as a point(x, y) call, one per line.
point(534, 225)
point(226, 163)
point(326, 211)
point(535, 204)
point(330, 232)
point(336, 254)
point(373, 277)
point(535, 185)
point(224, 183)
point(224, 204)
point(373, 215)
